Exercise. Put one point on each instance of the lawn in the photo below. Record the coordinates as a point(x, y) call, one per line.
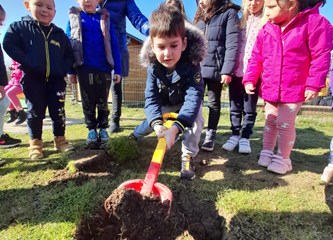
point(49, 198)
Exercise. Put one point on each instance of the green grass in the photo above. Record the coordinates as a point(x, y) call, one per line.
point(36, 204)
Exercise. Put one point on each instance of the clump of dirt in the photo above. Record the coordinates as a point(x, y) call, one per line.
point(129, 215)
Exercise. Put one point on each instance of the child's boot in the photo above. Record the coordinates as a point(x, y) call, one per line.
point(35, 149)
point(22, 116)
point(208, 144)
point(187, 171)
point(12, 116)
point(62, 145)
point(280, 165)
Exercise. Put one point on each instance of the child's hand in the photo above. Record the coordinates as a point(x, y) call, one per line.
point(249, 89)
point(225, 79)
point(159, 129)
point(2, 92)
point(170, 136)
point(309, 94)
point(72, 78)
point(116, 78)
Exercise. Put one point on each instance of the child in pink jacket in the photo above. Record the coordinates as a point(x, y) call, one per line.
point(292, 56)
point(12, 90)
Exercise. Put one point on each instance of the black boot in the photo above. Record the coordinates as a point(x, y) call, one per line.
point(22, 116)
point(13, 116)
point(114, 125)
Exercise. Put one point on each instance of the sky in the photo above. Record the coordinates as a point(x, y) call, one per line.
point(15, 10)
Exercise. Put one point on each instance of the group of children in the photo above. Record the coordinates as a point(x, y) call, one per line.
point(255, 56)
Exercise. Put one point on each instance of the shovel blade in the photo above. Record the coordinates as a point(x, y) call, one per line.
point(158, 189)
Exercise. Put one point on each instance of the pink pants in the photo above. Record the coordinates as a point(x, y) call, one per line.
point(12, 91)
point(280, 127)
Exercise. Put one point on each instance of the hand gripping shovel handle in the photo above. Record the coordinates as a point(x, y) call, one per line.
point(154, 167)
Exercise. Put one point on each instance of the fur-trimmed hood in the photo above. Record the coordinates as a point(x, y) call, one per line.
point(195, 51)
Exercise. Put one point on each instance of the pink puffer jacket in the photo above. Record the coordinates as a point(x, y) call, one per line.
point(16, 74)
point(291, 61)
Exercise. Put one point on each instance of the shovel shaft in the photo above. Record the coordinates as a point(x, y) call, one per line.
point(154, 167)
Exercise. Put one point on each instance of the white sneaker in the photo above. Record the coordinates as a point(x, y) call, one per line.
point(244, 146)
point(327, 173)
point(231, 143)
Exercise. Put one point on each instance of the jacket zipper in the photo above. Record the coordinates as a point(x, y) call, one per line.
point(47, 53)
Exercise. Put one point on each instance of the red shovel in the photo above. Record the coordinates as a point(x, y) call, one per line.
point(149, 185)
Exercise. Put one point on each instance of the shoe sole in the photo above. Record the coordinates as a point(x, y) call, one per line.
point(9, 146)
point(207, 149)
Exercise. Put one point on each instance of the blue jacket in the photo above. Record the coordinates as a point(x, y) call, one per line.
point(222, 34)
point(42, 57)
point(119, 10)
point(94, 41)
point(184, 87)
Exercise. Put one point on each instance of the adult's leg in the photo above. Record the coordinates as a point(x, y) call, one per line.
point(117, 98)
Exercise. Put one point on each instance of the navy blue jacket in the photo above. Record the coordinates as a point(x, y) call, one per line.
point(42, 57)
point(222, 34)
point(183, 88)
point(119, 10)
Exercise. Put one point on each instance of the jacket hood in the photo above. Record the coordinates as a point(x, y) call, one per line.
point(194, 52)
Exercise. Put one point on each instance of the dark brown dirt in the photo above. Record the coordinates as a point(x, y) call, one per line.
point(131, 216)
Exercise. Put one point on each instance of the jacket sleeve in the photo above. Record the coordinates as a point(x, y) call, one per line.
point(152, 108)
point(69, 55)
point(138, 20)
point(3, 73)
point(255, 63)
point(231, 44)
point(115, 50)
point(320, 45)
point(11, 44)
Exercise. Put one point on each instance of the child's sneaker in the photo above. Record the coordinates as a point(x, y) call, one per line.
point(231, 143)
point(280, 165)
point(187, 171)
point(244, 146)
point(92, 141)
point(327, 173)
point(103, 135)
point(7, 142)
point(265, 158)
point(208, 144)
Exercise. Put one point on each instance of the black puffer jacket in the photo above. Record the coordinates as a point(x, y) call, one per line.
point(222, 33)
point(40, 56)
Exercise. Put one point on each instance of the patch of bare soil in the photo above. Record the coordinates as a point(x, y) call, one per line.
point(329, 196)
point(132, 216)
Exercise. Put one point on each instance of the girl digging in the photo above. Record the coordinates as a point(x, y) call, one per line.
point(290, 73)
point(242, 105)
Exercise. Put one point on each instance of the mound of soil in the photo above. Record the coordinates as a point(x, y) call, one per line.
point(129, 215)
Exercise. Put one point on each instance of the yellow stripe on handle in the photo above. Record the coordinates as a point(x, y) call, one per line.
point(159, 151)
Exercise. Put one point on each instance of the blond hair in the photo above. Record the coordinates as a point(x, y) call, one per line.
point(246, 14)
